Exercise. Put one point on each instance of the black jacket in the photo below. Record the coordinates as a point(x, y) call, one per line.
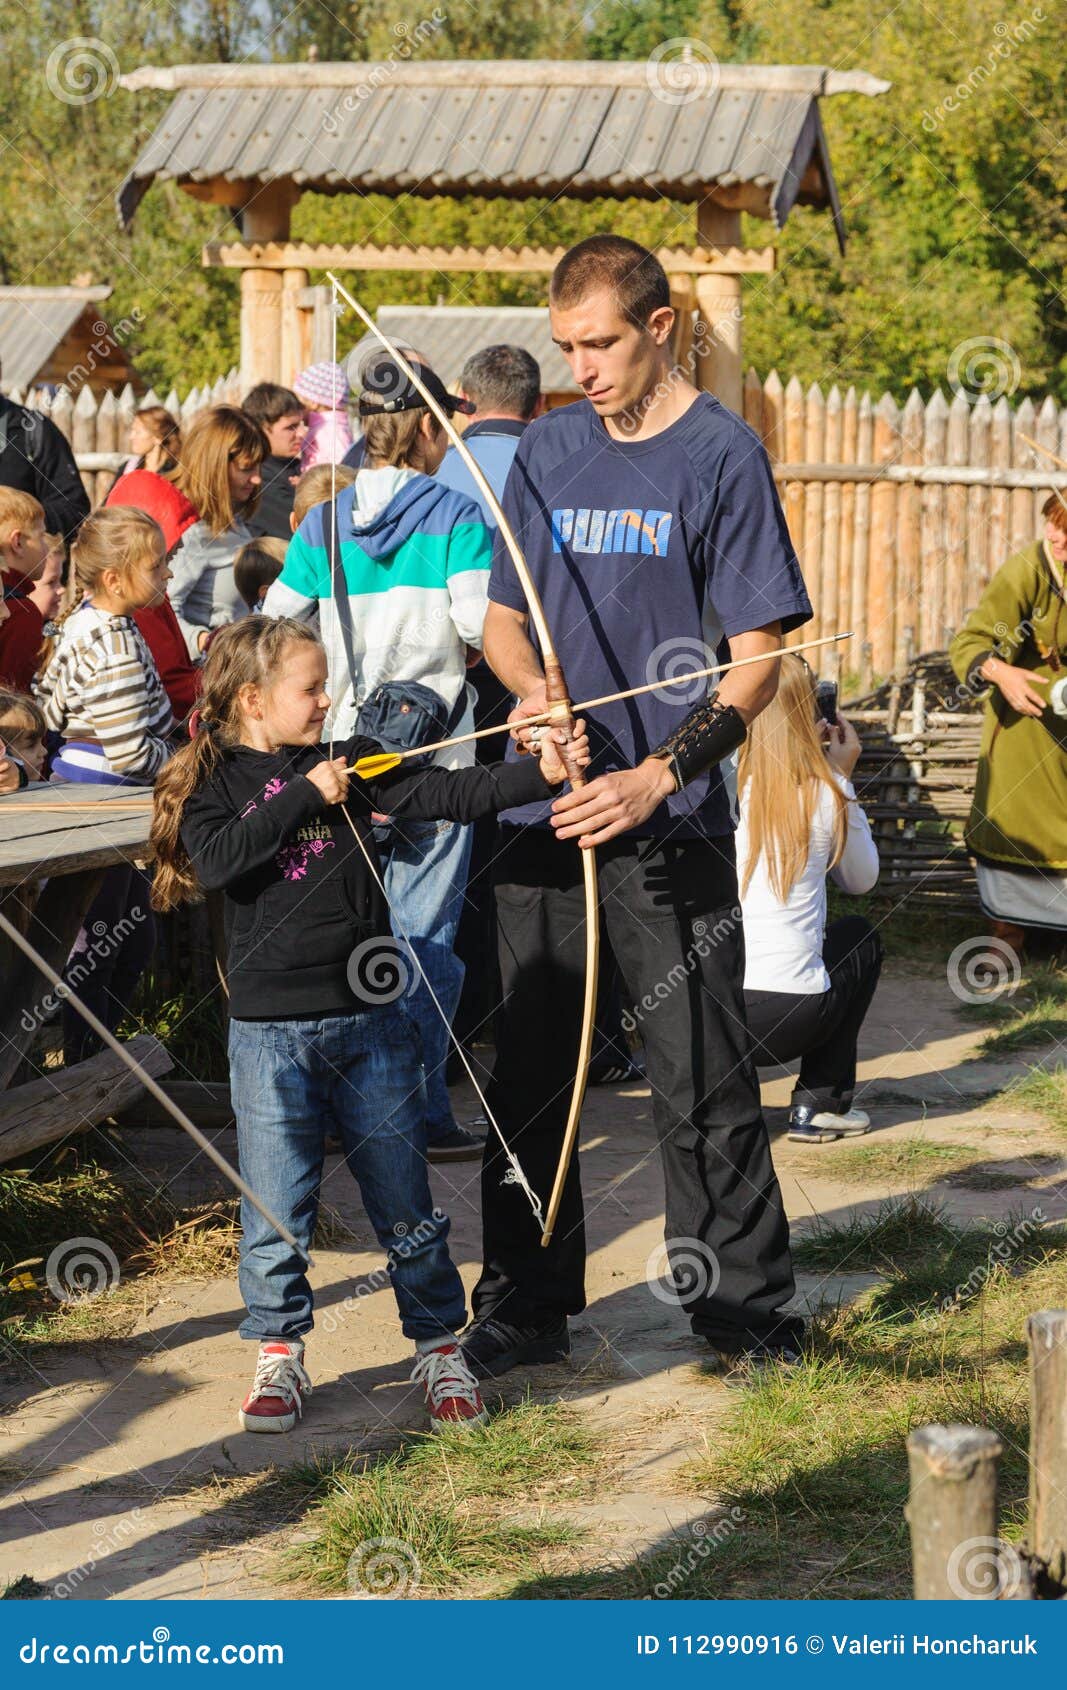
point(300, 900)
point(275, 507)
point(36, 458)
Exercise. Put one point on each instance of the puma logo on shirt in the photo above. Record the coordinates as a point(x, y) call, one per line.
point(587, 530)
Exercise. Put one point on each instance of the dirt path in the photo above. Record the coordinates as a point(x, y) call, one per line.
point(126, 1474)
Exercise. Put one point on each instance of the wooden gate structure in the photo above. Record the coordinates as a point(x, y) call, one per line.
point(724, 138)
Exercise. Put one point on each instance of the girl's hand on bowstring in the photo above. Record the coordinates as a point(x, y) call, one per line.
point(331, 778)
point(547, 743)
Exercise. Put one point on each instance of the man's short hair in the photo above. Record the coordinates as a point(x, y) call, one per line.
point(267, 403)
point(503, 378)
point(635, 276)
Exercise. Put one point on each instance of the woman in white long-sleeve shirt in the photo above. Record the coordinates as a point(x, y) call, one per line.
point(807, 986)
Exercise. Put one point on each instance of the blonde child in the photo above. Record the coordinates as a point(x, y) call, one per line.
point(23, 550)
point(101, 691)
point(319, 1041)
point(316, 486)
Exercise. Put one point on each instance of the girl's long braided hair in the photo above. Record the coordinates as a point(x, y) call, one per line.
point(245, 654)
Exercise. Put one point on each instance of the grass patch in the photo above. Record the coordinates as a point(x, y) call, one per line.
point(24, 1589)
point(806, 1475)
point(1044, 1090)
point(900, 1231)
point(1034, 1014)
point(38, 1213)
point(912, 1159)
point(428, 1515)
point(189, 1026)
point(909, 932)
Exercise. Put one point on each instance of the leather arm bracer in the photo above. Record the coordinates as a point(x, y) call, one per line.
point(707, 735)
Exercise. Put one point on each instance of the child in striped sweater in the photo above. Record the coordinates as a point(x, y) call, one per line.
point(101, 691)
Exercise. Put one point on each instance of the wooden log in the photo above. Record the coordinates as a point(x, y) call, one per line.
point(773, 416)
point(952, 1513)
point(206, 1102)
point(683, 299)
point(811, 557)
point(1046, 433)
point(107, 440)
point(883, 577)
point(859, 616)
point(931, 617)
point(908, 475)
point(959, 432)
point(829, 585)
point(67, 1100)
point(909, 539)
point(752, 398)
point(1022, 504)
point(978, 563)
point(793, 503)
point(61, 411)
point(849, 665)
point(1047, 1334)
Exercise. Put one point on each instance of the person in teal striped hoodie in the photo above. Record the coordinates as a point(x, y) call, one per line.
point(405, 600)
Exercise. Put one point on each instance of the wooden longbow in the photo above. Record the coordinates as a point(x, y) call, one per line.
point(560, 713)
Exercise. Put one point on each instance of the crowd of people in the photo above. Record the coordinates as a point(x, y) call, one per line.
point(260, 601)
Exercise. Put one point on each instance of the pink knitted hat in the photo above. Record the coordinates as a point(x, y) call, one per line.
point(322, 386)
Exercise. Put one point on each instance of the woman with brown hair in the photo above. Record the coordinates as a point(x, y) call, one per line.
point(807, 986)
point(220, 476)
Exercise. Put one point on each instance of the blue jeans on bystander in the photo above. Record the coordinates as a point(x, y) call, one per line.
point(425, 870)
point(360, 1076)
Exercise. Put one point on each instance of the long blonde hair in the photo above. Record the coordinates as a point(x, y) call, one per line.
point(781, 767)
point(247, 653)
point(215, 438)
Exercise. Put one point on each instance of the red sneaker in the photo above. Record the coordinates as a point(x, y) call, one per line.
point(452, 1396)
point(276, 1400)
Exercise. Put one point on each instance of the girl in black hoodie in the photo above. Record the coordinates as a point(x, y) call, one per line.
point(319, 1040)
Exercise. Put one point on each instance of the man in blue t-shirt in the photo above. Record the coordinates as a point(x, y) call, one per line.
point(651, 526)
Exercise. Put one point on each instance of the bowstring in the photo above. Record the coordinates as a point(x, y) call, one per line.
point(513, 1161)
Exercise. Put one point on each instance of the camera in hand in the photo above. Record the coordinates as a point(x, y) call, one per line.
point(826, 702)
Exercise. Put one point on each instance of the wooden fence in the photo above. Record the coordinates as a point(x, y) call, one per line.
point(900, 515)
point(98, 427)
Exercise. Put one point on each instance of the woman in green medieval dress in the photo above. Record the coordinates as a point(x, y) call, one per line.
point(1016, 639)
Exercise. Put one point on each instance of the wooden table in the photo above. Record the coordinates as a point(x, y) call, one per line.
point(68, 834)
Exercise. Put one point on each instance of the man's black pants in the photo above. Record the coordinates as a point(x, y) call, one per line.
point(672, 914)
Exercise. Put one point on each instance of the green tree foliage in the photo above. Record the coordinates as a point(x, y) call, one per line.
point(952, 184)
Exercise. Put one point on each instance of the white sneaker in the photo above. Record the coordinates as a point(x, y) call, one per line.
point(852, 1121)
point(452, 1395)
point(276, 1401)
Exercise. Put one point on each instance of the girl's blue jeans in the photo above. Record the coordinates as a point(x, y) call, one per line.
point(360, 1076)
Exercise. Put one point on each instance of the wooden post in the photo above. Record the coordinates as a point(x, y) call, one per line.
point(882, 606)
point(977, 568)
point(909, 547)
point(683, 298)
point(296, 326)
point(811, 556)
point(932, 618)
point(772, 416)
point(849, 661)
point(1047, 433)
point(792, 434)
point(1047, 1333)
point(107, 440)
point(1022, 500)
point(719, 300)
point(860, 618)
point(952, 1512)
point(264, 217)
point(83, 433)
point(831, 531)
point(959, 434)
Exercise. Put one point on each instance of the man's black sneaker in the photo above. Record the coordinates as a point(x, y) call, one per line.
point(492, 1347)
point(457, 1146)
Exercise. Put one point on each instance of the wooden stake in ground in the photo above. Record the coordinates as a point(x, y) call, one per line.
point(1047, 1333)
point(952, 1512)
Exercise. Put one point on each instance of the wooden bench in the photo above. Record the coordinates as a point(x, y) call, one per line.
point(66, 835)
